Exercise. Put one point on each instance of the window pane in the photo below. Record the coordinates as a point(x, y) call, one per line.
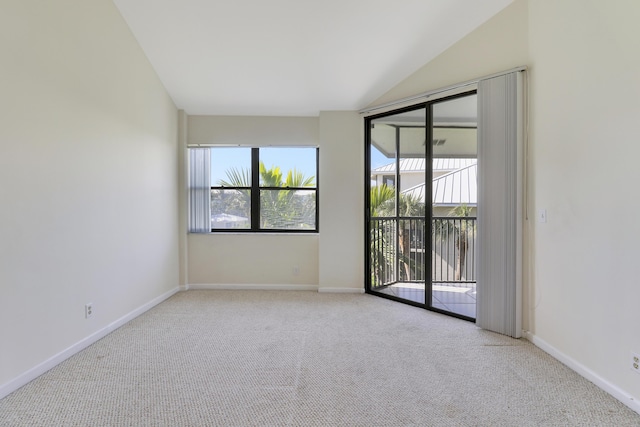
point(383, 171)
point(288, 209)
point(231, 166)
point(277, 162)
point(230, 209)
point(413, 179)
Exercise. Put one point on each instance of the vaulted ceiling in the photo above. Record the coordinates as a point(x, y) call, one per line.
point(294, 57)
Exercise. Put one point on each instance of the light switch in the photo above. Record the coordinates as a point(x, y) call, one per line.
point(542, 215)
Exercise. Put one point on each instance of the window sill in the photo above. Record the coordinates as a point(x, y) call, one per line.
point(253, 233)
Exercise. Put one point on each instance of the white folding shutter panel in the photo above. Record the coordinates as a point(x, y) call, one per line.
point(500, 159)
point(199, 190)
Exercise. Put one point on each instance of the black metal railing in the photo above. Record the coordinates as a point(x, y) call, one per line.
point(397, 252)
point(453, 248)
point(383, 252)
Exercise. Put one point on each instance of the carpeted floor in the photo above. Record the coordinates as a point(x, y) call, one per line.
point(269, 358)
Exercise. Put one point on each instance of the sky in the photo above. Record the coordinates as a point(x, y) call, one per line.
point(287, 158)
point(301, 158)
point(378, 159)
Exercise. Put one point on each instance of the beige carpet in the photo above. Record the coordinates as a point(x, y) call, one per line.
point(268, 358)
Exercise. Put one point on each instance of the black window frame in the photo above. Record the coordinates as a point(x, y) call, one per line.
point(256, 188)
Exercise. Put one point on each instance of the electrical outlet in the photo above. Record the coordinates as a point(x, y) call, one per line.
point(88, 310)
point(635, 362)
point(296, 270)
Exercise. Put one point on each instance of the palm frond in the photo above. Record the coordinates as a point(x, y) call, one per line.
point(271, 177)
point(296, 178)
point(236, 178)
point(380, 195)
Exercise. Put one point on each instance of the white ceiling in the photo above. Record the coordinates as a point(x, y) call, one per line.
point(293, 57)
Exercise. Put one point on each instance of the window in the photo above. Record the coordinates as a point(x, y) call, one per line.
point(253, 189)
point(389, 180)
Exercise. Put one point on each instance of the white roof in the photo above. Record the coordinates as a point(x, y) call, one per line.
point(406, 165)
point(418, 165)
point(455, 188)
point(224, 217)
point(451, 164)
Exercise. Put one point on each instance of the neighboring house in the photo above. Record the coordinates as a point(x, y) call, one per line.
point(225, 220)
point(455, 182)
point(411, 173)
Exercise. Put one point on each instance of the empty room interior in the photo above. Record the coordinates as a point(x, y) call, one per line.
point(112, 109)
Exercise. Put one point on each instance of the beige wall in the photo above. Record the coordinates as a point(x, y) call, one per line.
point(498, 45)
point(183, 198)
point(585, 97)
point(341, 202)
point(253, 259)
point(253, 130)
point(331, 260)
point(88, 178)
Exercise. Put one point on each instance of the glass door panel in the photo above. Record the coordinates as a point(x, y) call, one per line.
point(382, 206)
point(454, 205)
point(411, 206)
point(397, 205)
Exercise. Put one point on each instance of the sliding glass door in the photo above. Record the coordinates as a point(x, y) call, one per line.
point(421, 196)
point(397, 212)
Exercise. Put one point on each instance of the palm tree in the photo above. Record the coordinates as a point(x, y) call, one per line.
point(381, 196)
point(236, 201)
point(285, 208)
point(382, 258)
point(383, 252)
point(463, 228)
point(278, 208)
point(237, 178)
point(409, 206)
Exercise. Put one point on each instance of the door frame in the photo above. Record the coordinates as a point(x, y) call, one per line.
point(428, 216)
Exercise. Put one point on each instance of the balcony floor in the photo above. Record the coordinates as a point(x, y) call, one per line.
point(459, 298)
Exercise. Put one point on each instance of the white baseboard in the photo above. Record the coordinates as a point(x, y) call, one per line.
point(35, 372)
point(341, 290)
point(264, 287)
point(587, 373)
point(251, 287)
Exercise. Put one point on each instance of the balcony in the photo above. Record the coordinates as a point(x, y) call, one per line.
point(398, 258)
